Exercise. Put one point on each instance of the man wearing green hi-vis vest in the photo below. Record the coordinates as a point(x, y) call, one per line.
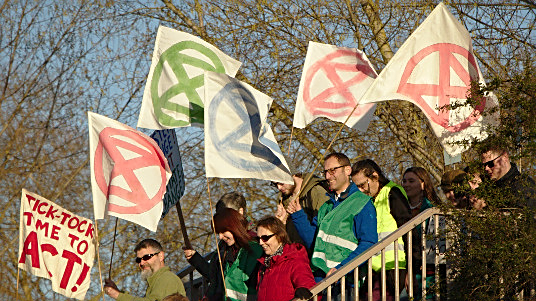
point(345, 225)
point(392, 211)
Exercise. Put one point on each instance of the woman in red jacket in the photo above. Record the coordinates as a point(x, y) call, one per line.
point(285, 272)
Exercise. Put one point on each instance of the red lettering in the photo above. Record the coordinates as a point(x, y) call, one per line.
point(73, 239)
point(80, 225)
point(29, 216)
point(65, 216)
point(74, 218)
point(54, 232)
point(82, 243)
point(30, 199)
point(39, 225)
point(72, 258)
point(50, 212)
point(39, 208)
point(90, 230)
point(35, 204)
point(50, 249)
point(83, 275)
point(31, 249)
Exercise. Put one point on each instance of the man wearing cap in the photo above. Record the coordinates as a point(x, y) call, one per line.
point(510, 188)
point(312, 195)
point(161, 281)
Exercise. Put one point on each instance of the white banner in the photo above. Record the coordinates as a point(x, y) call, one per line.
point(129, 172)
point(333, 81)
point(173, 95)
point(56, 244)
point(239, 143)
point(433, 69)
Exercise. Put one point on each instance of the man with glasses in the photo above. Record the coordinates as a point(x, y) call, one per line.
point(312, 195)
point(161, 281)
point(512, 189)
point(345, 225)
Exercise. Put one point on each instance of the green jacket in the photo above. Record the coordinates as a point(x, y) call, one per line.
point(161, 284)
point(241, 276)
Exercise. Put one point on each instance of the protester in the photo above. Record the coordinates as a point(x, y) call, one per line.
point(236, 201)
point(456, 188)
point(421, 196)
point(348, 215)
point(475, 179)
point(312, 195)
point(284, 266)
point(161, 281)
point(239, 255)
point(511, 189)
point(392, 211)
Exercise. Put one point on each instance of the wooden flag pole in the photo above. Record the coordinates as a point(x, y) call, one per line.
point(187, 243)
point(98, 258)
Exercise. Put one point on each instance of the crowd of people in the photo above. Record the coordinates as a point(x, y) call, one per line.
point(322, 224)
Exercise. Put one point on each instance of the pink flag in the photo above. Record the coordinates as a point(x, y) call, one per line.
point(129, 172)
point(333, 81)
point(434, 69)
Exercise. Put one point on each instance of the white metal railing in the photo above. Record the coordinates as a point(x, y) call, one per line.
point(339, 276)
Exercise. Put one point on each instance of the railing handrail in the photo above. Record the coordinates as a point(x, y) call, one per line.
point(372, 251)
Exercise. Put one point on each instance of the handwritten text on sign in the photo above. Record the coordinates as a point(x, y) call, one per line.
point(55, 244)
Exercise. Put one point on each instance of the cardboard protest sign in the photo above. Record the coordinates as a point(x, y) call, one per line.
point(436, 240)
point(56, 244)
point(333, 81)
point(167, 140)
point(173, 95)
point(434, 69)
point(239, 143)
point(129, 172)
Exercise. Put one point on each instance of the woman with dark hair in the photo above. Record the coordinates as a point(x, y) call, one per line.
point(285, 272)
point(238, 258)
point(421, 196)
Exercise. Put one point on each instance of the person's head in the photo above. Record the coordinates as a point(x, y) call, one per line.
point(495, 161)
point(455, 187)
point(271, 234)
point(473, 176)
point(337, 171)
point(231, 226)
point(417, 184)
point(175, 297)
point(368, 177)
point(288, 189)
point(233, 200)
point(149, 257)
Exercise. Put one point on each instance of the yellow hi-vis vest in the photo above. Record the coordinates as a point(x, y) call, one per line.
point(386, 226)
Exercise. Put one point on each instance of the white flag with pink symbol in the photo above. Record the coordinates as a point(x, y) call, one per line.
point(434, 69)
point(129, 172)
point(333, 81)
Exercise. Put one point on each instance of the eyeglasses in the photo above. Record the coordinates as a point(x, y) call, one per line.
point(331, 170)
point(491, 163)
point(145, 257)
point(264, 238)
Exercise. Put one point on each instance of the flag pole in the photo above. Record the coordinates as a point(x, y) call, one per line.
point(187, 243)
point(98, 257)
point(18, 273)
point(216, 239)
point(113, 247)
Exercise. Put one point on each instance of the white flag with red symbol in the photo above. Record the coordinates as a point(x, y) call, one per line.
point(333, 81)
point(129, 172)
point(433, 69)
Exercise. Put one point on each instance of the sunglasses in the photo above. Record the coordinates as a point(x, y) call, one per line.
point(145, 257)
point(491, 163)
point(264, 238)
